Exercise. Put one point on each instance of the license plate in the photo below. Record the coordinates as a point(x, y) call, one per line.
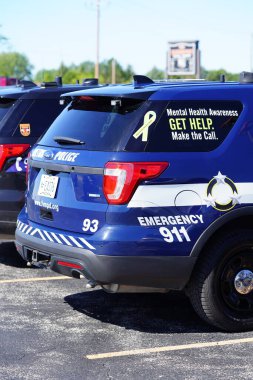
point(48, 186)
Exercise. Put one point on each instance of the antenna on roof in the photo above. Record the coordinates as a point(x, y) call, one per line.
point(222, 78)
point(58, 81)
point(142, 80)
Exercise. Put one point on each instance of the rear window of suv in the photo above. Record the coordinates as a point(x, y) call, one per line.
point(137, 125)
point(38, 114)
point(5, 106)
point(103, 123)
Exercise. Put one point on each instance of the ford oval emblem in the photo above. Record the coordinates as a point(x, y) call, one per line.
point(48, 155)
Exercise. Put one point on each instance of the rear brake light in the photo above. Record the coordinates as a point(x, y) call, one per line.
point(11, 150)
point(86, 98)
point(69, 265)
point(122, 178)
point(27, 170)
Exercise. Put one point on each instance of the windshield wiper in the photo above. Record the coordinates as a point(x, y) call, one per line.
point(68, 141)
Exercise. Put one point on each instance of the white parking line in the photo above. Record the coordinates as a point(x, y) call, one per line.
point(168, 348)
point(15, 280)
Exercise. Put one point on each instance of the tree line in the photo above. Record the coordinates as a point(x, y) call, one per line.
point(17, 65)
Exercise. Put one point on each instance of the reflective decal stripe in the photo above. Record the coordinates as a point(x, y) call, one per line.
point(75, 242)
point(66, 240)
point(86, 243)
point(29, 229)
point(41, 234)
point(34, 232)
point(48, 236)
point(25, 228)
point(165, 195)
point(53, 237)
point(183, 195)
point(56, 238)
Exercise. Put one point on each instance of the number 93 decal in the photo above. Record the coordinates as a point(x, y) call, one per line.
point(90, 225)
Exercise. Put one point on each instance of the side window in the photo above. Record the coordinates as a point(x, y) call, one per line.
point(39, 117)
point(144, 131)
point(10, 122)
point(199, 126)
point(6, 104)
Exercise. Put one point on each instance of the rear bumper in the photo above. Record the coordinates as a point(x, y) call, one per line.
point(149, 271)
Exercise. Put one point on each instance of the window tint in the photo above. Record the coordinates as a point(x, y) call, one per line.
point(38, 117)
point(185, 126)
point(135, 125)
point(9, 122)
point(5, 105)
point(103, 123)
point(30, 117)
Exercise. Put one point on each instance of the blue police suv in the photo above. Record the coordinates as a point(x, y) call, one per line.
point(149, 186)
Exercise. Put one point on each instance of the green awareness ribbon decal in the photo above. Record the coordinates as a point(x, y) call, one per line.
point(149, 119)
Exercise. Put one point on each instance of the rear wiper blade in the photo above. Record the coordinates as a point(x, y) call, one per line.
point(68, 140)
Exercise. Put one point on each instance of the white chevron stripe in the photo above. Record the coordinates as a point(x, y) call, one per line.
point(25, 228)
point(29, 229)
point(75, 242)
point(48, 236)
point(56, 238)
point(66, 240)
point(87, 244)
point(41, 234)
point(18, 223)
point(34, 231)
point(20, 226)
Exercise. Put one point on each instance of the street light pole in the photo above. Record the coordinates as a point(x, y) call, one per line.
point(98, 21)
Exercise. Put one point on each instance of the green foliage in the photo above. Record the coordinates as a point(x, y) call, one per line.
point(156, 73)
point(122, 76)
point(211, 75)
point(46, 75)
point(15, 65)
point(72, 73)
point(69, 74)
point(215, 75)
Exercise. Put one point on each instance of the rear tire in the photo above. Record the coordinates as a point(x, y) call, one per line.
point(221, 287)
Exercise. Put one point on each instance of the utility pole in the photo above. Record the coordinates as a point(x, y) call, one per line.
point(113, 71)
point(251, 56)
point(98, 21)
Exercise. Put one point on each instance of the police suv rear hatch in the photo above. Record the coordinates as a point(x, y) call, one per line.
point(66, 174)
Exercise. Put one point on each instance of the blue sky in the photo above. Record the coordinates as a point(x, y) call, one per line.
point(134, 32)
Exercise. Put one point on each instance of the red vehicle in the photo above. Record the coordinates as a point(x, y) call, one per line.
point(5, 81)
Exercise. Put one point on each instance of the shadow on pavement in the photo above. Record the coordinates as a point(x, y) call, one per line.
point(155, 313)
point(10, 256)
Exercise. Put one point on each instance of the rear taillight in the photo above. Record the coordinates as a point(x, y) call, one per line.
point(27, 170)
point(11, 150)
point(69, 265)
point(122, 178)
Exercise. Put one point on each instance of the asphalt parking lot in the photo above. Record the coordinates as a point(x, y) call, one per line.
point(53, 328)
